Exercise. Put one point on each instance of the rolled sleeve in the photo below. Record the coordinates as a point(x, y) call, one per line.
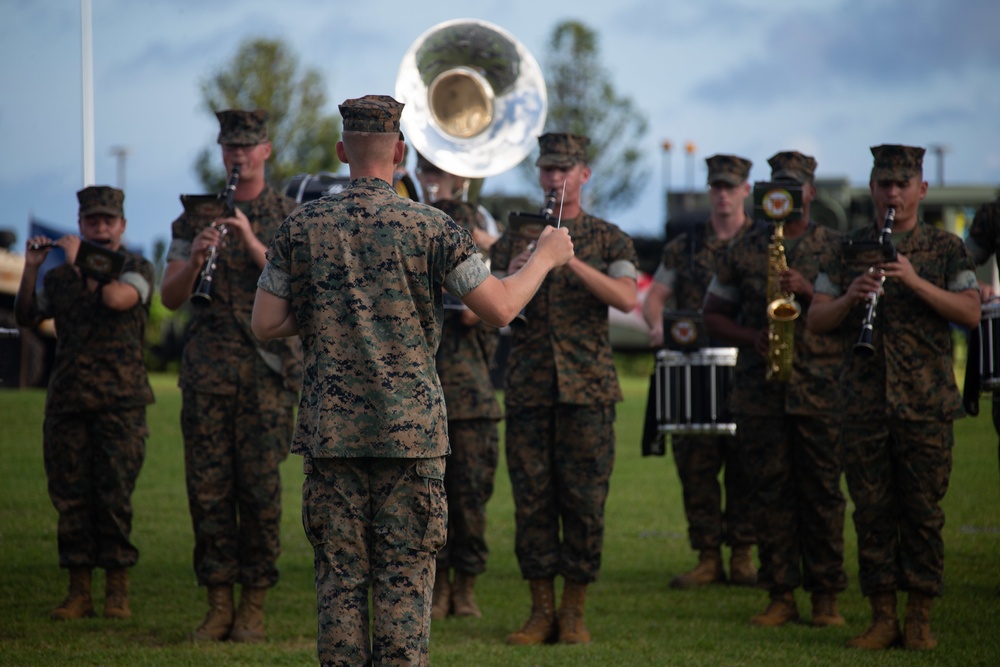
point(275, 281)
point(729, 293)
point(623, 268)
point(823, 285)
point(179, 250)
point(137, 281)
point(467, 276)
point(963, 280)
point(666, 277)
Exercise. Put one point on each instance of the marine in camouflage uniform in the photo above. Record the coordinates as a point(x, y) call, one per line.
point(361, 275)
point(900, 400)
point(239, 394)
point(561, 390)
point(788, 432)
point(684, 273)
point(467, 349)
point(983, 242)
point(95, 408)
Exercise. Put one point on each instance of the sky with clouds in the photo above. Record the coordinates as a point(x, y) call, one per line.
point(826, 77)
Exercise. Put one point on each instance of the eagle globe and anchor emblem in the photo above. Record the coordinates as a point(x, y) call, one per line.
point(777, 203)
point(684, 331)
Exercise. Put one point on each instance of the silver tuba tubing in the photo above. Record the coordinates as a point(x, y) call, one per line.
point(475, 98)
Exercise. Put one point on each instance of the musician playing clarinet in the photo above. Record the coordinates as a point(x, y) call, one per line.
point(901, 398)
point(95, 410)
point(238, 393)
point(560, 397)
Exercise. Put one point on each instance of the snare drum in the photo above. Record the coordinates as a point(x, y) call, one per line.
point(989, 346)
point(692, 390)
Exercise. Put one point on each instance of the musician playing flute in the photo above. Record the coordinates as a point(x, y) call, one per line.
point(901, 399)
point(787, 432)
point(95, 409)
point(238, 392)
point(684, 274)
point(560, 397)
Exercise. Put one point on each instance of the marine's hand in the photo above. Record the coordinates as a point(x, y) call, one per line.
point(555, 244)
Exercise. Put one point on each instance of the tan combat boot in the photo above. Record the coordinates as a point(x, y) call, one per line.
point(742, 571)
point(825, 611)
point(441, 601)
point(708, 571)
point(884, 631)
point(78, 603)
point(218, 622)
point(782, 609)
point(248, 625)
point(116, 594)
point(571, 627)
point(541, 625)
point(917, 633)
point(463, 597)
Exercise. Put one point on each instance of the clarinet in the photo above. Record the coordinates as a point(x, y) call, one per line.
point(546, 213)
point(864, 345)
point(202, 295)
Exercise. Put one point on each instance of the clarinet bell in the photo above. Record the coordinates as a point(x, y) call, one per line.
point(864, 345)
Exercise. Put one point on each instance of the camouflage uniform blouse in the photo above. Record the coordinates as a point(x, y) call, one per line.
point(220, 332)
point(463, 365)
point(563, 354)
point(687, 265)
point(741, 277)
point(99, 361)
point(363, 270)
point(910, 376)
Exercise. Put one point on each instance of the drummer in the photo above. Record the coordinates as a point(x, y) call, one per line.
point(983, 242)
point(684, 273)
point(787, 432)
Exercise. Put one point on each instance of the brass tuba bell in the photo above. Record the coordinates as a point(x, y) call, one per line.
point(475, 98)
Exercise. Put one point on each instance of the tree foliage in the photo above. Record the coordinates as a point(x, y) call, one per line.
point(265, 74)
point(582, 100)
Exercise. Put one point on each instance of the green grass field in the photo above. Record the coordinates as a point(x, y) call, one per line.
point(634, 617)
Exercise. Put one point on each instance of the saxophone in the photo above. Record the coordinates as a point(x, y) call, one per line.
point(782, 311)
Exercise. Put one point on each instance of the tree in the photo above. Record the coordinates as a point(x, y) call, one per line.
point(265, 74)
point(582, 100)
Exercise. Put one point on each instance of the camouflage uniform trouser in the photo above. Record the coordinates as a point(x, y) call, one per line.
point(233, 449)
point(794, 463)
point(92, 460)
point(897, 473)
point(374, 523)
point(699, 460)
point(468, 482)
point(560, 459)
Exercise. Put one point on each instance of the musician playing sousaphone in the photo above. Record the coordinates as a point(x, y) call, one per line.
point(900, 397)
point(683, 275)
point(238, 393)
point(560, 399)
point(464, 358)
point(787, 430)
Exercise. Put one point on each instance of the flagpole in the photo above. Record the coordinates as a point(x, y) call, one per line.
point(87, 81)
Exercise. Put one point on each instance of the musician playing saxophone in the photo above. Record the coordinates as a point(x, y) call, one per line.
point(238, 393)
point(788, 431)
point(900, 400)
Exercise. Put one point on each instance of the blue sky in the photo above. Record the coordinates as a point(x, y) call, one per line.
point(826, 77)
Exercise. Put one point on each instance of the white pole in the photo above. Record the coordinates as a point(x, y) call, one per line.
point(87, 102)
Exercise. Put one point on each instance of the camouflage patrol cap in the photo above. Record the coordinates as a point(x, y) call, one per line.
point(561, 149)
point(729, 169)
point(242, 128)
point(101, 199)
point(371, 113)
point(460, 211)
point(897, 163)
point(794, 165)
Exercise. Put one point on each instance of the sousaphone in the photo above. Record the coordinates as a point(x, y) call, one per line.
point(475, 98)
